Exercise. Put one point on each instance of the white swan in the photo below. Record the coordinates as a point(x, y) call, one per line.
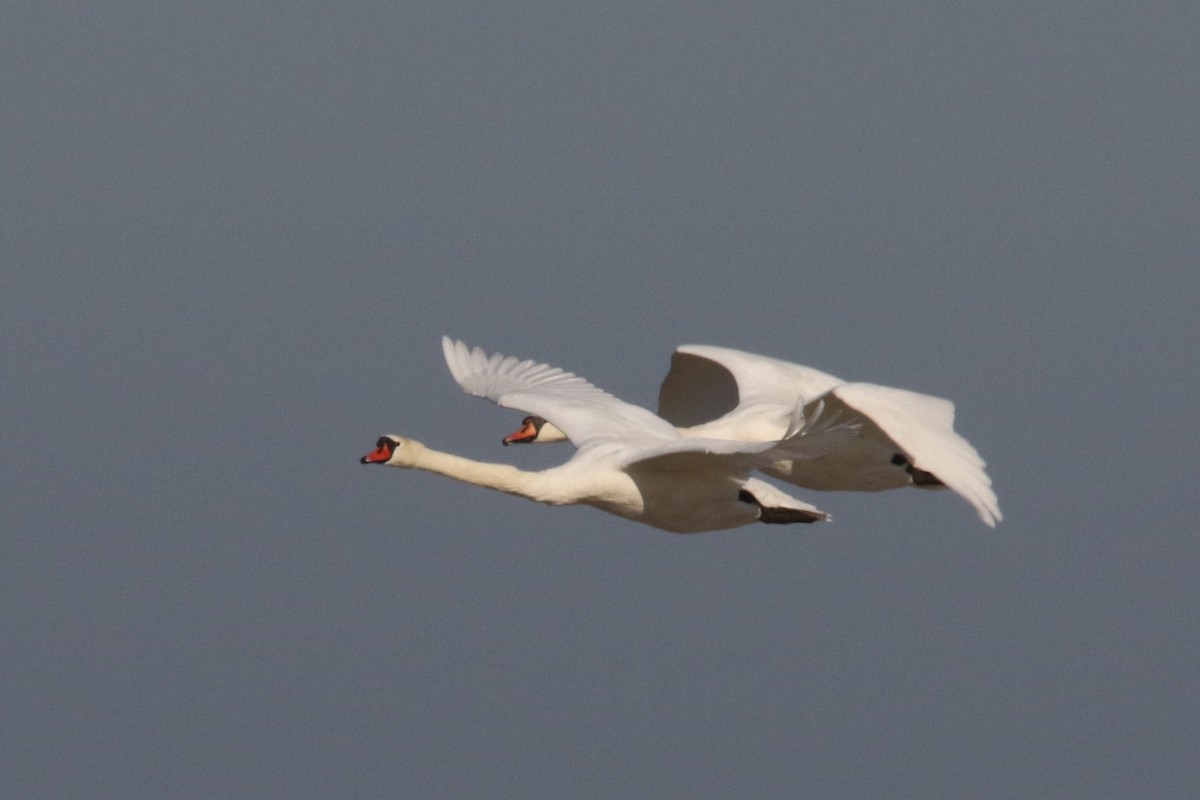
point(629, 462)
point(907, 438)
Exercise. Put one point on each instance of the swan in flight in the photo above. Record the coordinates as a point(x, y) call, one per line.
point(628, 461)
point(906, 438)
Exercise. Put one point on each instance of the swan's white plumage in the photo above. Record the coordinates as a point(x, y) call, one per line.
point(592, 418)
point(706, 383)
point(923, 427)
point(583, 412)
point(727, 413)
point(718, 391)
point(629, 462)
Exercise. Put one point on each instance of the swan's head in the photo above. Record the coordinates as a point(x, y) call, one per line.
point(535, 429)
point(395, 451)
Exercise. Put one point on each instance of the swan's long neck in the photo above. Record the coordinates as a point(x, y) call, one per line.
point(501, 477)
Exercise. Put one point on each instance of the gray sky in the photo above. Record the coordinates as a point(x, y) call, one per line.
point(235, 232)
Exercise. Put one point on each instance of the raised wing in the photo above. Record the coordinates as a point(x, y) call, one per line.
point(586, 414)
point(705, 383)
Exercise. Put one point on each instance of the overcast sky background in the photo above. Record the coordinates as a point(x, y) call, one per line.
point(233, 234)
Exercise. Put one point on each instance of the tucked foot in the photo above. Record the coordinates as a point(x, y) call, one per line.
point(779, 515)
point(784, 516)
point(919, 476)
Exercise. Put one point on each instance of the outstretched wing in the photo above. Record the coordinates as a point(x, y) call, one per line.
point(923, 427)
point(594, 418)
point(586, 414)
point(900, 431)
point(722, 392)
point(705, 383)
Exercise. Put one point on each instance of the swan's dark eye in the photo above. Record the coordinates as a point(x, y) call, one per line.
point(383, 442)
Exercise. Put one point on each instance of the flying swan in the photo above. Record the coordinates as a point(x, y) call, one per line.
point(906, 438)
point(628, 461)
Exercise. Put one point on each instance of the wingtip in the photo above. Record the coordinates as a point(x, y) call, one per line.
point(457, 356)
point(989, 512)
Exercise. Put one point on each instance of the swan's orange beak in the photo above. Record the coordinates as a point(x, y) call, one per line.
point(526, 435)
point(381, 453)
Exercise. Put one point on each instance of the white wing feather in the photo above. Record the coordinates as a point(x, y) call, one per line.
point(923, 427)
point(583, 412)
point(592, 418)
point(706, 382)
point(718, 391)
